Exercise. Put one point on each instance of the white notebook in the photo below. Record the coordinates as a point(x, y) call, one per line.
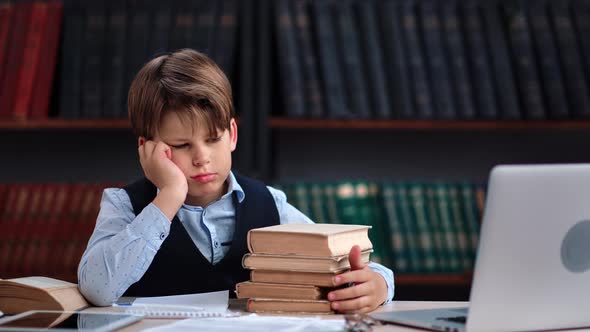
point(202, 305)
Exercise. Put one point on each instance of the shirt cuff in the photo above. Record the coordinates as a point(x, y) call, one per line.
point(387, 274)
point(151, 225)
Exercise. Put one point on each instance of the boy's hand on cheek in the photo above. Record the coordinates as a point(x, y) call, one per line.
point(368, 291)
point(156, 161)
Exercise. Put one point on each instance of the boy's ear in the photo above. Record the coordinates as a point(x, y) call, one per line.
point(140, 141)
point(233, 134)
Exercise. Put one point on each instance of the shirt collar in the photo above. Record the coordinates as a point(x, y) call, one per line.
point(233, 185)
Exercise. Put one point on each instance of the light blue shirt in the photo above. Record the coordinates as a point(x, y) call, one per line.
point(123, 245)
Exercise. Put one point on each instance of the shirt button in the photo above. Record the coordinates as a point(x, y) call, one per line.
point(216, 244)
point(162, 236)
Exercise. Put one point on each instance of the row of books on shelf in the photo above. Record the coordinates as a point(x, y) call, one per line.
point(379, 59)
point(427, 59)
point(103, 45)
point(417, 227)
point(45, 227)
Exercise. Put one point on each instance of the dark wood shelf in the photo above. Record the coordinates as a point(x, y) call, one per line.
point(278, 122)
point(433, 279)
point(286, 123)
point(65, 124)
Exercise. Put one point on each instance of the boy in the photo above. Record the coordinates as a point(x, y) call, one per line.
point(182, 229)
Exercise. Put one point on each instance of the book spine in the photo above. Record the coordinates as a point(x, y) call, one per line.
point(423, 228)
point(205, 32)
point(447, 227)
point(396, 61)
point(458, 218)
point(15, 57)
point(408, 221)
point(399, 248)
point(245, 155)
point(92, 71)
point(424, 108)
point(455, 46)
point(183, 26)
point(289, 61)
point(313, 94)
point(581, 18)
point(485, 100)
point(436, 61)
point(138, 33)
point(575, 82)
point(226, 41)
point(265, 89)
point(439, 243)
point(6, 17)
point(114, 61)
point(162, 19)
point(472, 217)
point(30, 61)
point(44, 82)
point(503, 73)
point(373, 60)
point(71, 60)
point(355, 85)
point(550, 70)
point(524, 60)
point(330, 76)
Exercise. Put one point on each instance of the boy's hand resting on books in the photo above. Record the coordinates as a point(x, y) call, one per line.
point(156, 161)
point(369, 289)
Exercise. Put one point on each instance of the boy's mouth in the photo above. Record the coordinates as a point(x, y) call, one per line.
point(204, 177)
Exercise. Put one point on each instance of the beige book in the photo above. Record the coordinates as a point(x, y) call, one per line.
point(300, 263)
point(294, 277)
point(286, 305)
point(39, 293)
point(308, 239)
point(248, 289)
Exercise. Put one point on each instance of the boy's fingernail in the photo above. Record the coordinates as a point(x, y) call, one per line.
point(337, 279)
point(335, 305)
point(331, 296)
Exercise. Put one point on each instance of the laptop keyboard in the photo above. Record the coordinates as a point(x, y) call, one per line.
point(456, 319)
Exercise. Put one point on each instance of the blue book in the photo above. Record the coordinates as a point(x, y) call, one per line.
point(353, 70)
point(549, 67)
point(373, 60)
point(92, 69)
point(569, 51)
point(396, 61)
point(289, 61)
point(524, 60)
point(309, 60)
point(436, 59)
point(71, 60)
point(330, 76)
point(479, 64)
point(503, 72)
point(114, 61)
point(424, 108)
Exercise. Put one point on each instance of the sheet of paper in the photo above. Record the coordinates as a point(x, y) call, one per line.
point(255, 323)
point(210, 302)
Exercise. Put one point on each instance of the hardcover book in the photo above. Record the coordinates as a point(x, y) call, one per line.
point(308, 239)
point(39, 293)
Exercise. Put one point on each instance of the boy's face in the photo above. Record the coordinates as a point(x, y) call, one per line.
point(205, 161)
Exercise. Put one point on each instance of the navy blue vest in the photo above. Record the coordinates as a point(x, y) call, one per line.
point(179, 267)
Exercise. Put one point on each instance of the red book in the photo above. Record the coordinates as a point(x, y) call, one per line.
point(33, 264)
point(25, 229)
point(14, 57)
point(50, 241)
point(30, 62)
point(66, 246)
point(6, 236)
point(46, 70)
point(6, 13)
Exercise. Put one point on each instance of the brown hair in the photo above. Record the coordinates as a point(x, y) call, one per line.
point(186, 82)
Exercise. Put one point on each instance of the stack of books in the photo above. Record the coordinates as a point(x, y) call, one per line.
point(293, 265)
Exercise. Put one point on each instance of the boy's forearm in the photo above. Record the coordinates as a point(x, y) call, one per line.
point(169, 201)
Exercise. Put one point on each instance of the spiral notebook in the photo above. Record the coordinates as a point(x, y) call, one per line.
point(202, 305)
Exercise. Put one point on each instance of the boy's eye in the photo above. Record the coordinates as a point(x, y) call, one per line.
point(214, 139)
point(179, 146)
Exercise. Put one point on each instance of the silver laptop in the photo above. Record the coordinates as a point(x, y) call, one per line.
point(532, 270)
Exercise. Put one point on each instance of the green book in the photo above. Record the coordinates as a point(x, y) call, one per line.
point(459, 222)
point(422, 228)
point(447, 227)
point(399, 246)
point(302, 197)
point(317, 203)
point(408, 220)
point(331, 206)
point(472, 218)
point(440, 249)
